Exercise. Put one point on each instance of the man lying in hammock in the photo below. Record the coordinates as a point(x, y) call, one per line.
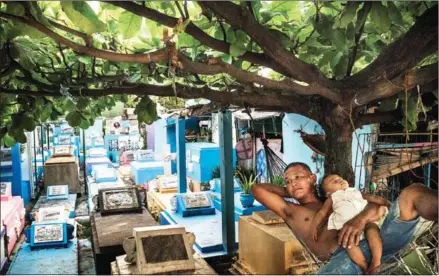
point(396, 232)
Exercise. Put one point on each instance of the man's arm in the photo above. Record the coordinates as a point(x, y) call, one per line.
point(272, 197)
point(320, 217)
point(376, 199)
point(351, 232)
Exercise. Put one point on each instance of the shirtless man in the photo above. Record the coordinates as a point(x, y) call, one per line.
point(396, 231)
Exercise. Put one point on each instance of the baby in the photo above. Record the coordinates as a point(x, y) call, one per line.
point(344, 203)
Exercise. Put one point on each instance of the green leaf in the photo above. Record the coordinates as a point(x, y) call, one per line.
point(380, 17)
point(9, 141)
point(84, 124)
point(327, 58)
point(226, 58)
point(348, 14)
point(19, 136)
point(231, 36)
point(82, 103)
point(16, 8)
point(394, 14)
point(237, 50)
point(336, 59)
point(85, 59)
point(186, 40)
point(129, 24)
point(82, 16)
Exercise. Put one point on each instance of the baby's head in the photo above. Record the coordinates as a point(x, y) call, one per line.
point(332, 183)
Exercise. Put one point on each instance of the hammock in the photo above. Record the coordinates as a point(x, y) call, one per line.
point(275, 165)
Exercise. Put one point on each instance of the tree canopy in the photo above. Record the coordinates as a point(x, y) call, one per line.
point(343, 64)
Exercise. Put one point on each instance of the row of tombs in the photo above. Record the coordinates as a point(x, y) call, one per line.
point(138, 218)
point(126, 237)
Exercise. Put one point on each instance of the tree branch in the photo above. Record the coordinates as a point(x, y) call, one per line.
point(216, 66)
point(265, 99)
point(402, 54)
point(196, 32)
point(386, 88)
point(242, 19)
point(156, 56)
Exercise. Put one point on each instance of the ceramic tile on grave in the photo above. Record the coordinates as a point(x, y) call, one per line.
point(195, 204)
point(57, 192)
point(163, 249)
point(48, 235)
point(119, 200)
point(5, 191)
point(52, 214)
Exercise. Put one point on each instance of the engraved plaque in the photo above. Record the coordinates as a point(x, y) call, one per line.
point(57, 190)
point(51, 214)
point(162, 249)
point(195, 200)
point(145, 155)
point(64, 139)
point(48, 233)
point(119, 200)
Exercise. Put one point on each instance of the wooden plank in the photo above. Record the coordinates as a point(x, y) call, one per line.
point(60, 160)
point(266, 217)
point(380, 174)
point(201, 267)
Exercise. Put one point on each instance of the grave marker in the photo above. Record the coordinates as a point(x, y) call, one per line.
point(195, 204)
point(162, 249)
point(52, 214)
point(58, 192)
point(48, 235)
point(119, 200)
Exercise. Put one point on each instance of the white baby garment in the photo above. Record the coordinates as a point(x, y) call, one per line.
point(346, 204)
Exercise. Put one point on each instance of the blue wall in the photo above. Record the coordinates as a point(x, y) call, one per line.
point(296, 151)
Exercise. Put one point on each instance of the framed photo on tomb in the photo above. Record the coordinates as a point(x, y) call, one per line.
point(163, 249)
point(119, 200)
point(48, 235)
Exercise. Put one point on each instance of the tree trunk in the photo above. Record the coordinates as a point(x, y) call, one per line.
point(338, 156)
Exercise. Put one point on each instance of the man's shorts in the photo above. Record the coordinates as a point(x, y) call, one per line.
point(395, 234)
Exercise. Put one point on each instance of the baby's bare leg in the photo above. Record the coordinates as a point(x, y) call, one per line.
point(372, 233)
point(357, 257)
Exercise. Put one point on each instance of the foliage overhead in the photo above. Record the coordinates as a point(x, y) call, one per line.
point(77, 59)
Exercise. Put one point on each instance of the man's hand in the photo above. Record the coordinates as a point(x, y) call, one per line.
point(350, 234)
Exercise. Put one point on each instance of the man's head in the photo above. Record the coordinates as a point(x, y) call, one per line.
point(332, 183)
point(300, 180)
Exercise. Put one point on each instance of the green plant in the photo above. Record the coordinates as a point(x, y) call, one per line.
point(216, 172)
point(278, 180)
point(246, 177)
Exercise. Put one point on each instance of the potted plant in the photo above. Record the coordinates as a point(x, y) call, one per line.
point(215, 181)
point(278, 180)
point(246, 179)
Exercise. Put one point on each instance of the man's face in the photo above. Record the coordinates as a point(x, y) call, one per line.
point(300, 183)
